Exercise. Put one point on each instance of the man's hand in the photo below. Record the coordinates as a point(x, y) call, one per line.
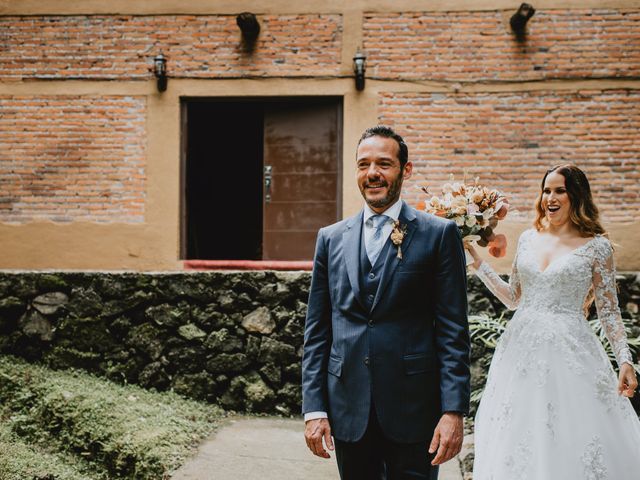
point(314, 432)
point(447, 438)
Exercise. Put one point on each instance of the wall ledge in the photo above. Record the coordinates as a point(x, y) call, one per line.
point(247, 265)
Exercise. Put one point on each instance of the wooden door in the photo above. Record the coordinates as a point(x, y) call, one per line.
point(302, 149)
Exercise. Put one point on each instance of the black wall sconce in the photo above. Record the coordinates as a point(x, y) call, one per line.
point(160, 71)
point(359, 67)
point(250, 28)
point(519, 21)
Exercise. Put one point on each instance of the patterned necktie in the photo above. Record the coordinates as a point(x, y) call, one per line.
point(376, 241)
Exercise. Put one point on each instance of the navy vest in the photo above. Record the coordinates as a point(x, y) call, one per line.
point(370, 275)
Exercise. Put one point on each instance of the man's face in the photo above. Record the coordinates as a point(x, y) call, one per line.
point(378, 172)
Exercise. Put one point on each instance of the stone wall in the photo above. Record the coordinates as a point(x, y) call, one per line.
point(234, 338)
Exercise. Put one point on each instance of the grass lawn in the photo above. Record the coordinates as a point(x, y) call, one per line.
point(68, 425)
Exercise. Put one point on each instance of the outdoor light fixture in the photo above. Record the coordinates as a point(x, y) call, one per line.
point(519, 21)
point(359, 67)
point(160, 71)
point(249, 26)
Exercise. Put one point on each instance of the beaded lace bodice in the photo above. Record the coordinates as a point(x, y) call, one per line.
point(562, 288)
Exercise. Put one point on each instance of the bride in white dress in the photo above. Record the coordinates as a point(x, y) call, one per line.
point(553, 408)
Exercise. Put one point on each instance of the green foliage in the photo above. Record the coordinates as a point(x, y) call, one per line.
point(486, 330)
point(130, 432)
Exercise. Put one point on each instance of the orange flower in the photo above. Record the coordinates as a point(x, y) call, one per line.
point(502, 211)
point(498, 246)
point(421, 205)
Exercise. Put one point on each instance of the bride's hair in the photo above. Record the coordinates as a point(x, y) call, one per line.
point(584, 213)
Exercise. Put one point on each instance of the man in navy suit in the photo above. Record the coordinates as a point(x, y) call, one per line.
point(385, 368)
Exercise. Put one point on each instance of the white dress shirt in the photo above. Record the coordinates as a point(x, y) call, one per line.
point(393, 212)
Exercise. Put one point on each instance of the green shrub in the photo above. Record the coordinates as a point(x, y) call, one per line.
point(133, 433)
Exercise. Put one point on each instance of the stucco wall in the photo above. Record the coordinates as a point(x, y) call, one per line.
point(449, 76)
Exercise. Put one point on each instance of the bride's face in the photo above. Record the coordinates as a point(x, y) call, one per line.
point(555, 200)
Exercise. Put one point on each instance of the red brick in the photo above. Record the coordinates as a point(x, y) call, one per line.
point(123, 47)
point(510, 148)
point(472, 46)
point(60, 157)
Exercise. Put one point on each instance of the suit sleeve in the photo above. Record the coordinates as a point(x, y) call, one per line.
point(451, 323)
point(317, 334)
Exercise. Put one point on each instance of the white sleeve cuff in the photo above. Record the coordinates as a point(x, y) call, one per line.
point(314, 415)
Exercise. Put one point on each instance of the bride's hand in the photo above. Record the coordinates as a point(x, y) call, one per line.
point(627, 382)
point(474, 253)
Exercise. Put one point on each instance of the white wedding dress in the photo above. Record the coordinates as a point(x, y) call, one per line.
point(550, 409)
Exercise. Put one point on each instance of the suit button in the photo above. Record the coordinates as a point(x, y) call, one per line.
point(370, 297)
point(370, 323)
point(372, 275)
point(366, 361)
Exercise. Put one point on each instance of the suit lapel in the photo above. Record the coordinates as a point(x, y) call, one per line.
point(351, 239)
point(407, 217)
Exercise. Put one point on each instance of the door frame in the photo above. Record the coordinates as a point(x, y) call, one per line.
point(184, 100)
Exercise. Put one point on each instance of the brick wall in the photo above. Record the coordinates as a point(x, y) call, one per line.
point(520, 108)
point(123, 47)
point(67, 158)
point(510, 139)
point(472, 46)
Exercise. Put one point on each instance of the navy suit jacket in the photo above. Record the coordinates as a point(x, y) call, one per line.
point(409, 353)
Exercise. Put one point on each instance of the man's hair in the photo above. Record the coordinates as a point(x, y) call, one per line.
point(388, 132)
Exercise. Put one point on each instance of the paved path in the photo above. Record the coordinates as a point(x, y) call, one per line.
point(266, 448)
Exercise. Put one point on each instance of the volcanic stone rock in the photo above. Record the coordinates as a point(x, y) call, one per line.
point(164, 315)
point(34, 325)
point(191, 332)
point(51, 282)
point(223, 341)
point(227, 363)
point(148, 339)
point(291, 393)
point(226, 301)
point(11, 303)
point(200, 386)
point(187, 358)
point(259, 321)
point(50, 303)
point(153, 375)
point(234, 397)
point(253, 346)
point(293, 372)
point(85, 302)
point(272, 373)
point(275, 351)
point(258, 394)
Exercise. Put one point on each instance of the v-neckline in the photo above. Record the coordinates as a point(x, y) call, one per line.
point(571, 252)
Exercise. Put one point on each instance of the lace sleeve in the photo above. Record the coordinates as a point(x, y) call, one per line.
point(507, 293)
point(604, 285)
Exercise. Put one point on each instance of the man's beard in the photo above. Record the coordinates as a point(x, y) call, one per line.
point(391, 197)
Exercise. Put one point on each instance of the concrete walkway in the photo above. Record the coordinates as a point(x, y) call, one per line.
point(266, 448)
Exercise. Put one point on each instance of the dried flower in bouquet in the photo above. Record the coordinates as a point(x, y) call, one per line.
point(476, 209)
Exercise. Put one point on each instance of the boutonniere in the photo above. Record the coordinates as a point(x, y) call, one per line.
point(397, 236)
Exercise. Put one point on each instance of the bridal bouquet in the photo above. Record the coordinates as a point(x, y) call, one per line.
point(476, 210)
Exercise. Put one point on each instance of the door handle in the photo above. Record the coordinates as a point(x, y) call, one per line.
point(267, 183)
